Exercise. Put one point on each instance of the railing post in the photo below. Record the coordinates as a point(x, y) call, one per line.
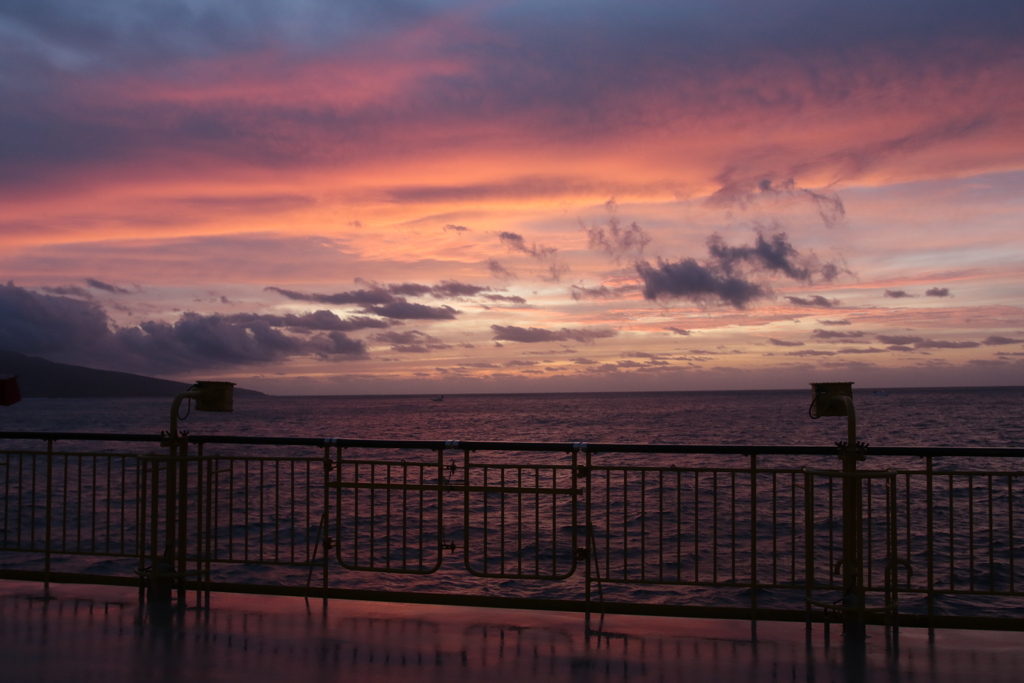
point(49, 509)
point(753, 537)
point(853, 550)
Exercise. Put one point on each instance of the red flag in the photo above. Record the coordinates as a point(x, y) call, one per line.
point(9, 393)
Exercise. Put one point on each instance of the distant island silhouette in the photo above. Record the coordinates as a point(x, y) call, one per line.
point(40, 378)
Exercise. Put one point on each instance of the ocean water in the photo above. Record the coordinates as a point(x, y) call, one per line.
point(955, 417)
point(958, 417)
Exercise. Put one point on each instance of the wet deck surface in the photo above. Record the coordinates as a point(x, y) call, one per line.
point(90, 633)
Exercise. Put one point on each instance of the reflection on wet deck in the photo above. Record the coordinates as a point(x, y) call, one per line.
point(90, 633)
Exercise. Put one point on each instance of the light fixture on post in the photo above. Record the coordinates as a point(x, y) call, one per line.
point(169, 568)
point(835, 399)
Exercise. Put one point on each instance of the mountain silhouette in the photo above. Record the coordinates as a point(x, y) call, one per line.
point(40, 378)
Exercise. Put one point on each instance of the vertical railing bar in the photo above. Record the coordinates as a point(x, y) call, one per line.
point(831, 528)
point(78, 515)
point(519, 519)
point(930, 536)
point(355, 510)
point(309, 508)
point(608, 523)
point(1009, 503)
point(263, 492)
point(231, 508)
point(109, 500)
point(970, 528)
point(753, 536)
point(245, 503)
point(696, 526)
point(991, 539)
point(661, 525)
point(871, 517)
point(277, 510)
point(536, 520)
point(141, 467)
point(952, 572)
point(643, 525)
point(909, 509)
point(124, 498)
point(32, 504)
point(64, 507)
point(294, 524)
point(486, 498)
point(679, 525)
point(422, 468)
point(373, 513)
point(625, 524)
point(554, 521)
point(387, 516)
point(501, 525)
point(793, 524)
point(92, 512)
point(775, 528)
point(714, 527)
point(732, 522)
point(49, 508)
point(405, 515)
point(808, 542)
point(154, 516)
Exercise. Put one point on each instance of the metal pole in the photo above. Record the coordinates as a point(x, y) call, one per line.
point(853, 552)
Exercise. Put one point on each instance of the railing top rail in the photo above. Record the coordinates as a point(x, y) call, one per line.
point(549, 447)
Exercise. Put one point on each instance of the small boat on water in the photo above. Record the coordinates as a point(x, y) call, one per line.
point(438, 399)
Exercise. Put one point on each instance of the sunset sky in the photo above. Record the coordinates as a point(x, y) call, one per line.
point(328, 197)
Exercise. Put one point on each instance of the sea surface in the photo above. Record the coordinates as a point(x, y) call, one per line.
point(953, 417)
point(957, 417)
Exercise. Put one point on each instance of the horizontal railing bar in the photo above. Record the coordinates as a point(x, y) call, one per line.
point(82, 436)
point(450, 487)
point(566, 447)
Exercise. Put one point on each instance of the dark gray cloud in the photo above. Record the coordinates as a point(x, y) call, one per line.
point(782, 342)
point(743, 191)
point(579, 293)
point(815, 301)
point(897, 294)
point(406, 310)
point(36, 323)
point(615, 240)
point(687, 279)
point(546, 255)
point(505, 299)
point(379, 301)
point(103, 286)
point(899, 340)
point(996, 340)
point(317, 320)
point(681, 333)
point(411, 341)
point(941, 344)
point(728, 272)
point(938, 291)
point(774, 254)
point(904, 342)
point(68, 290)
point(448, 289)
point(533, 335)
point(76, 331)
point(499, 271)
point(451, 227)
point(359, 297)
point(835, 322)
point(836, 334)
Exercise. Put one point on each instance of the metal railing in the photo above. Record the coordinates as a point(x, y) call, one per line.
point(756, 531)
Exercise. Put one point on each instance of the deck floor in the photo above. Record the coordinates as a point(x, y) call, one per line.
point(100, 633)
